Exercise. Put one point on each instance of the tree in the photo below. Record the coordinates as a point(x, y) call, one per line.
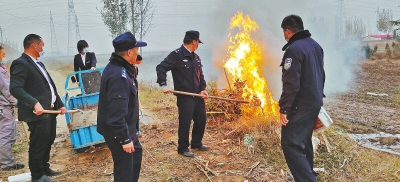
point(354, 29)
point(366, 50)
point(388, 51)
point(397, 30)
point(383, 22)
point(375, 48)
point(142, 17)
point(115, 16)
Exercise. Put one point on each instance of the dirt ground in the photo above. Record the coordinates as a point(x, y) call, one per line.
point(359, 108)
point(228, 160)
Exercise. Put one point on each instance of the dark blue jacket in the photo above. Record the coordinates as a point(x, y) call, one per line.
point(303, 74)
point(118, 109)
point(186, 69)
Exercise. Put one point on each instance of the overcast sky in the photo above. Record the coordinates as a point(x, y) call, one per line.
point(172, 18)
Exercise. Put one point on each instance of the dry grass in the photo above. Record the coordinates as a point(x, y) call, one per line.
point(379, 55)
point(350, 162)
point(346, 162)
point(229, 158)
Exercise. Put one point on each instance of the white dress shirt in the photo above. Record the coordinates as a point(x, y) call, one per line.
point(83, 59)
point(53, 95)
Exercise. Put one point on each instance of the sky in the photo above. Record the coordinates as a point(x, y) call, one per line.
point(172, 18)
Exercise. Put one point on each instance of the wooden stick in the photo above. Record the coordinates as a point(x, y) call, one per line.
point(198, 161)
point(202, 170)
point(328, 147)
point(227, 79)
point(25, 131)
point(213, 97)
point(252, 168)
point(229, 153)
point(58, 111)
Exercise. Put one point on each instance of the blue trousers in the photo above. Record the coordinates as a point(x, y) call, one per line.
point(297, 146)
point(126, 165)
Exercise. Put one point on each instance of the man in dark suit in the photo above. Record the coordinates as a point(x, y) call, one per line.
point(35, 91)
point(85, 60)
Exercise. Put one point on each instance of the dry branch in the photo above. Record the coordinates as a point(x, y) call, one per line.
point(252, 168)
point(202, 170)
point(229, 153)
point(200, 161)
point(328, 147)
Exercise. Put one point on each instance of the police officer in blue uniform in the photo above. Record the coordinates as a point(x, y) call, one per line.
point(118, 109)
point(187, 74)
point(303, 79)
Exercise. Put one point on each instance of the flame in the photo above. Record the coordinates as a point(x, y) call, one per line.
point(243, 62)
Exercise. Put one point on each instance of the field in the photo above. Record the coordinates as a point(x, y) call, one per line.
point(229, 160)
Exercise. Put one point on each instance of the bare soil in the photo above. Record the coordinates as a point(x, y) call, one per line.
point(359, 108)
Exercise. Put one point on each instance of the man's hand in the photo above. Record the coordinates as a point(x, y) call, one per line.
point(128, 148)
point(284, 120)
point(204, 92)
point(63, 110)
point(38, 109)
point(165, 90)
point(93, 68)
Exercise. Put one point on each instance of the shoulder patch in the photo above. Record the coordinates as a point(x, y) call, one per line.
point(288, 63)
point(123, 72)
point(177, 50)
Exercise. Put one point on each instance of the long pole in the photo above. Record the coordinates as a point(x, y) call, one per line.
point(1, 32)
point(141, 23)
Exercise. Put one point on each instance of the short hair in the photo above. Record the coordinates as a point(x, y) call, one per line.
point(293, 22)
point(81, 44)
point(187, 41)
point(31, 38)
point(121, 53)
point(1, 48)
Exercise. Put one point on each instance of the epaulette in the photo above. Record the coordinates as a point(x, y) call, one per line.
point(123, 72)
point(177, 50)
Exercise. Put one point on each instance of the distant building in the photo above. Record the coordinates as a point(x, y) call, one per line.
point(378, 37)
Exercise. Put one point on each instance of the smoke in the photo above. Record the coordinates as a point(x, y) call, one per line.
point(318, 17)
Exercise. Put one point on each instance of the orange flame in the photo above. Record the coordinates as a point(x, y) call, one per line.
point(244, 60)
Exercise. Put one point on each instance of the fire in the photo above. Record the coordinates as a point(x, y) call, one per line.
point(243, 63)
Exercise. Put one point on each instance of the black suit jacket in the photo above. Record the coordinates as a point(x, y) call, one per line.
point(29, 86)
point(90, 61)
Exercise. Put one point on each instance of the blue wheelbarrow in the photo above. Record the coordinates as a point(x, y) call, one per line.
point(85, 97)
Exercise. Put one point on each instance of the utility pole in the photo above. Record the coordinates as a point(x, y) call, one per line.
point(78, 34)
point(54, 45)
point(141, 23)
point(72, 21)
point(339, 20)
point(1, 32)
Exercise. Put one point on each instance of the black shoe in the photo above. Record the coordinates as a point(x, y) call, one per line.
point(44, 178)
point(15, 167)
point(202, 148)
point(187, 154)
point(50, 172)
